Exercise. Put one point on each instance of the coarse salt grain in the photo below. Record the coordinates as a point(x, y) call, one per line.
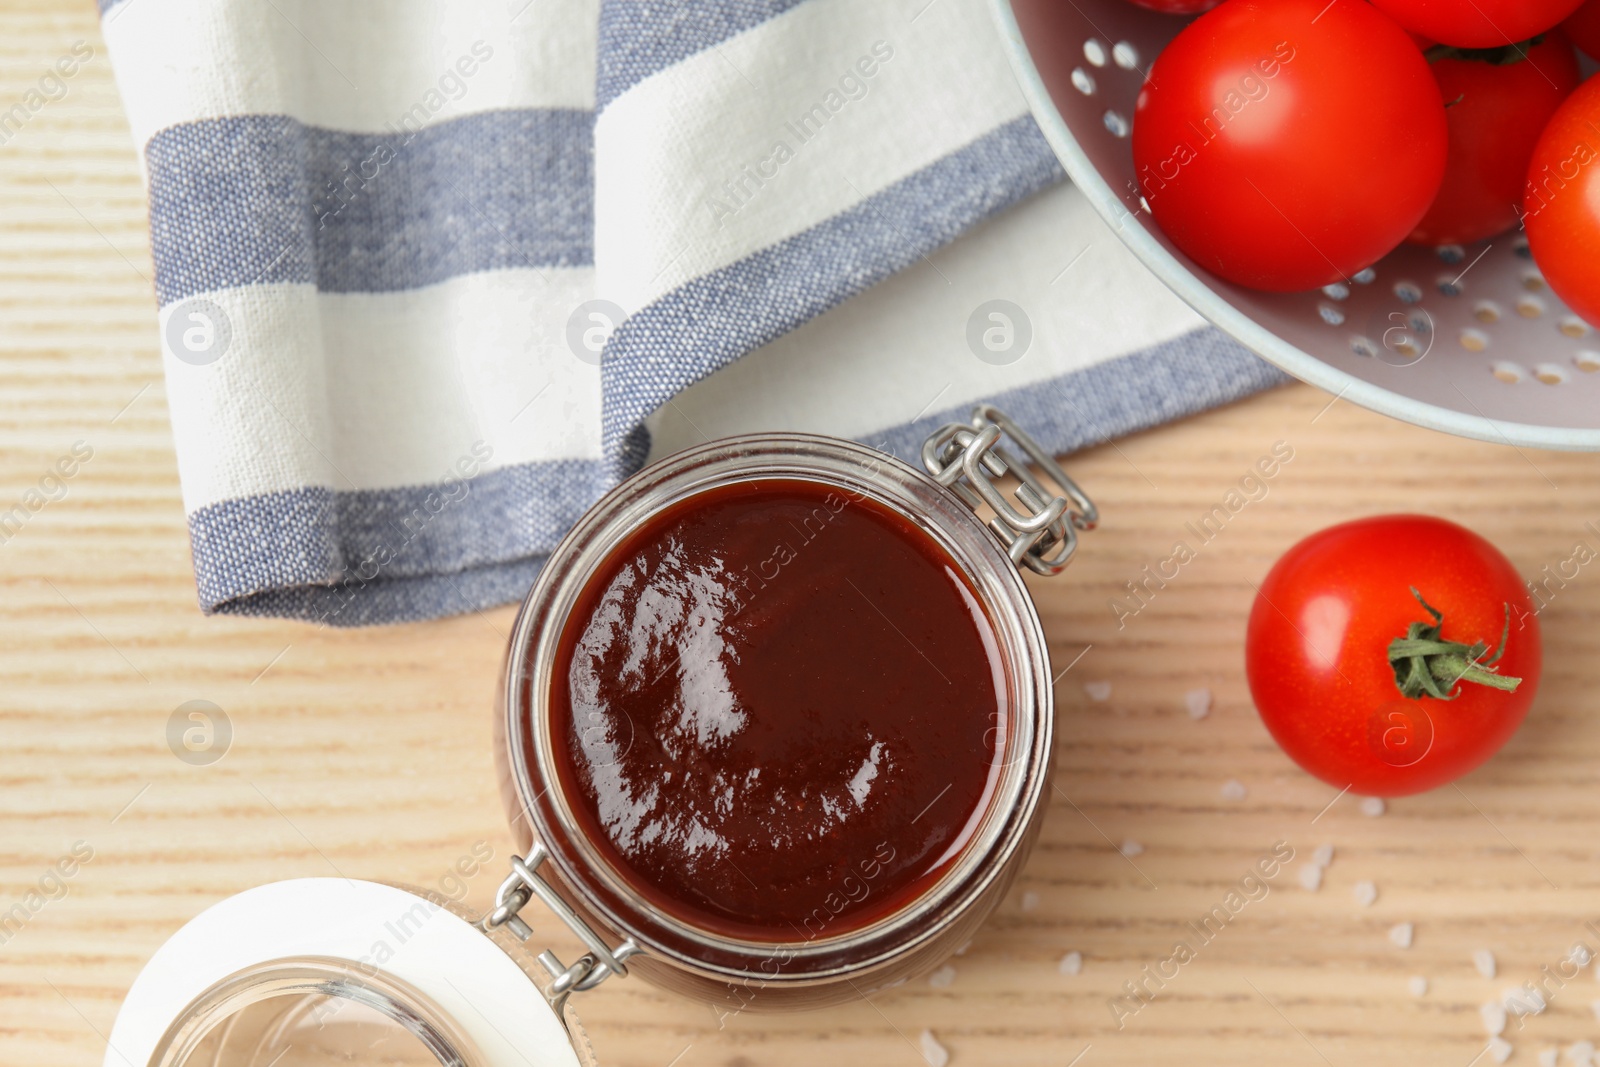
point(1547, 1057)
point(1493, 1014)
point(1418, 985)
point(1400, 934)
point(1323, 856)
point(1483, 959)
point(1311, 877)
point(1099, 692)
point(1030, 900)
point(1233, 789)
point(1581, 1053)
point(1071, 963)
point(1499, 1049)
point(1366, 893)
point(1523, 1000)
point(1130, 847)
point(935, 1054)
point(1198, 701)
point(1372, 806)
point(942, 977)
point(1580, 954)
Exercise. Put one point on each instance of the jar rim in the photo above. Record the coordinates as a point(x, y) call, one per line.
point(852, 468)
point(304, 977)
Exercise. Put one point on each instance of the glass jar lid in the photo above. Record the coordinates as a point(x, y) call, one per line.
point(329, 970)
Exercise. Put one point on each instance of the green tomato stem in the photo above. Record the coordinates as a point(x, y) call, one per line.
point(1428, 664)
point(1498, 56)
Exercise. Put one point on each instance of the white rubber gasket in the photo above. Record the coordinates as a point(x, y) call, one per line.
point(482, 990)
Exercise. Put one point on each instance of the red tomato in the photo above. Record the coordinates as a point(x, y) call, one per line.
point(1417, 39)
point(1286, 144)
point(1495, 110)
point(1320, 643)
point(1178, 7)
point(1561, 208)
point(1583, 28)
point(1477, 23)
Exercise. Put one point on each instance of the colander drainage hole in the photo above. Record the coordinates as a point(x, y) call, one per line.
point(1508, 372)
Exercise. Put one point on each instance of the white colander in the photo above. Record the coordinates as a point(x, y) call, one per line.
point(1469, 340)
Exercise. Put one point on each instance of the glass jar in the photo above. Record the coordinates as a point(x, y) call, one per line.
point(288, 972)
point(804, 972)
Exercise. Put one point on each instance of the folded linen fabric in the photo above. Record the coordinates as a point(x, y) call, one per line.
point(431, 276)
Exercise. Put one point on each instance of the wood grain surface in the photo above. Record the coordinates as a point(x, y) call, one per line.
point(367, 753)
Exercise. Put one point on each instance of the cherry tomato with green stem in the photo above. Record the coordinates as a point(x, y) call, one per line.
point(1392, 655)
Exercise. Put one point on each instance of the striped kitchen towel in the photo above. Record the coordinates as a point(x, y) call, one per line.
point(432, 275)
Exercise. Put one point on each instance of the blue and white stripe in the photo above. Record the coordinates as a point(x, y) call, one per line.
point(404, 220)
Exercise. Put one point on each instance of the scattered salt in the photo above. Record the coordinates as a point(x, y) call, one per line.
point(1581, 1053)
point(1499, 1049)
point(942, 977)
point(1030, 900)
point(934, 1053)
point(1071, 963)
point(1323, 856)
point(1580, 954)
point(1418, 985)
point(1311, 877)
point(1233, 789)
point(1483, 959)
point(1130, 847)
point(1523, 1000)
point(1198, 701)
point(1400, 934)
point(1366, 894)
point(1372, 806)
point(1494, 1016)
point(1099, 692)
point(1547, 1057)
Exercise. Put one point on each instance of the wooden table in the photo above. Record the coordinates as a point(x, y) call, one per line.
point(367, 753)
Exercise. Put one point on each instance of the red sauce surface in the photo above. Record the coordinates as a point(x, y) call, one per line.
point(777, 709)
